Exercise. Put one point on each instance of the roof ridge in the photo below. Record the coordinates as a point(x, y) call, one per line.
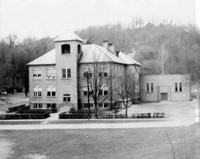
point(103, 52)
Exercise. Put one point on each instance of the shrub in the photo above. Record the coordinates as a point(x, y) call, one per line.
point(19, 88)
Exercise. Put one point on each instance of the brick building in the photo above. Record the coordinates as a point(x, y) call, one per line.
point(156, 88)
point(57, 78)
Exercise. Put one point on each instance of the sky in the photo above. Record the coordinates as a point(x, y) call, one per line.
point(40, 18)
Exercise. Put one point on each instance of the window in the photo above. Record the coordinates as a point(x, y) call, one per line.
point(100, 105)
point(65, 49)
point(180, 86)
point(85, 93)
point(147, 85)
point(48, 106)
point(66, 73)
point(51, 106)
point(51, 91)
point(37, 105)
point(34, 105)
point(51, 73)
point(87, 72)
point(66, 98)
point(176, 87)
point(100, 74)
point(105, 92)
point(85, 105)
point(151, 87)
point(105, 105)
point(105, 74)
point(40, 105)
point(37, 74)
point(37, 91)
point(100, 92)
point(79, 49)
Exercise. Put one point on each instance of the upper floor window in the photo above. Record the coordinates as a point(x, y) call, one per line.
point(37, 91)
point(79, 49)
point(87, 72)
point(103, 74)
point(66, 73)
point(37, 73)
point(51, 91)
point(65, 49)
point(51, 73)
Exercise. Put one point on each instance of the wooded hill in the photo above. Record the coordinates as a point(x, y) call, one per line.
point(163, 48)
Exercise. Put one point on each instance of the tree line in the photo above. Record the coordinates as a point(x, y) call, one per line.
point(14, 56)
point(164, 48)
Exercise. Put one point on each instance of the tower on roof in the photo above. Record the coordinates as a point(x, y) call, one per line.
point(68, 48)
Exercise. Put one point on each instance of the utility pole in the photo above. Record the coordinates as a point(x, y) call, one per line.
point(198, 99)
point(88, 94)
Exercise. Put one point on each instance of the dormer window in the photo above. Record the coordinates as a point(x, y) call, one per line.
point(79, 49)
point(65, 49)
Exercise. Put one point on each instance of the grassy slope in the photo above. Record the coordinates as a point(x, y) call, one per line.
point(12, 100)
point(112, 144)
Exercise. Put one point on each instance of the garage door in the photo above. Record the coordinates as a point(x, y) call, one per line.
point(164, 96)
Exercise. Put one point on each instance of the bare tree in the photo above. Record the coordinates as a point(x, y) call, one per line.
point(125, 89)
point(162, 57)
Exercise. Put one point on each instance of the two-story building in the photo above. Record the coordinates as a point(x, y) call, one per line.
point(61, 76)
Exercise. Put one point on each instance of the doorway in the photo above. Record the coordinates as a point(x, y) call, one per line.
point(164, 96)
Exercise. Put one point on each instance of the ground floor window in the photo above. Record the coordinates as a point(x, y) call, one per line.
point(51, 105)
point(37, 105)
point(66, 98)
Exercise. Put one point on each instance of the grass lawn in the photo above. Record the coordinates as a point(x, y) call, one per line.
point(105, 144)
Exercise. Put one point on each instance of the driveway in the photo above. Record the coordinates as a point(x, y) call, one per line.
point(184, 113)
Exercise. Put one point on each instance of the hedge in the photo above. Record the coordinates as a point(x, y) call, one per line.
point(24, 116)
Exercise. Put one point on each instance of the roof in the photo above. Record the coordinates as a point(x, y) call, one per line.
point(68, 36)
point(96, 53)
point(127, 59)
point(47, 59)
point(91, 53)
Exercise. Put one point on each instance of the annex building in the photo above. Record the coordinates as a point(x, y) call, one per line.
point(64, 76)
point(173, 87)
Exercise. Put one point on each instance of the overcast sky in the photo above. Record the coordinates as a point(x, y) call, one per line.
point(40, 18)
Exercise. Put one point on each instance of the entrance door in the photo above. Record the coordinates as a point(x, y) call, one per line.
point(164, 96)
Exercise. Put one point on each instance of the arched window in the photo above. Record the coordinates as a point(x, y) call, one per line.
point(79, 49)
point(66, 98)
point(65, 49)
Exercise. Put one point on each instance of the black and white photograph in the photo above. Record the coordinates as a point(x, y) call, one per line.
point(99, 79)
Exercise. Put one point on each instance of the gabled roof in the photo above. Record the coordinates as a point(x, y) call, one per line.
point(91, 53)
point(127, 59)
point(95, 53)
point(47, 59)
point(68, 36)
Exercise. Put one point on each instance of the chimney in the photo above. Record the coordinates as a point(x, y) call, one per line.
point(117, 53)
point(111, 47)
point(105, 44)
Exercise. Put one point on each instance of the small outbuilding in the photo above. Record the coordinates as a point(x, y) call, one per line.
point(172, 87)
